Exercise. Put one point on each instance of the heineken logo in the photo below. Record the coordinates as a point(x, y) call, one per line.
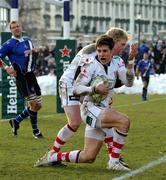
point(12, 96)
point(65, 51)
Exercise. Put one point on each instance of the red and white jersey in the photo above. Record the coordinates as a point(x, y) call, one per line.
point(73, 70)
point(93, 68)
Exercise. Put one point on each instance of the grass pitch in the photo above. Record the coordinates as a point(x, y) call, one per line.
point(146, 143)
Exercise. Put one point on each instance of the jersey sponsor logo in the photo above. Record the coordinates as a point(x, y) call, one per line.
point(74, 98)
point(89, 120)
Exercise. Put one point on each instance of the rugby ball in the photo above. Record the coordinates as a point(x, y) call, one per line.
point(96, 97)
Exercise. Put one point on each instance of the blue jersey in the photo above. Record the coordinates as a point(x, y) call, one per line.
point(144, 66)
point(16, 50)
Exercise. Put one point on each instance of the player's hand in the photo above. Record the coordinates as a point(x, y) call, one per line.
point(11, 71)
point(133, 52)
point(102, 88)
point(36, 50)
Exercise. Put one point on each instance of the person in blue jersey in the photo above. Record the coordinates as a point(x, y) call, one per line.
point(21, 54)
point(144, 68)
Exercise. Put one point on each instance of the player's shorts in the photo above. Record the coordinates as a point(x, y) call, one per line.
point(91, 113)
point(94, 133)
point(27, 84)
point(66, 95)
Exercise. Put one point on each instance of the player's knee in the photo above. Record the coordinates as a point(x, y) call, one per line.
point(38, 106)
point(75, 124)
point(35, 106)
point(125, 123)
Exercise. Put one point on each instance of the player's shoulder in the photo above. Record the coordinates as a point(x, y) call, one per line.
point(86, 59)
point(10, 43)
point(26, 38)
point(88, 49)
point(117, 60)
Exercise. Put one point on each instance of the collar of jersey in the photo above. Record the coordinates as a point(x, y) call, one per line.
point(19, 39)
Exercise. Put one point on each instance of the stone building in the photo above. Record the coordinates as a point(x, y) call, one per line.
point(89, 18)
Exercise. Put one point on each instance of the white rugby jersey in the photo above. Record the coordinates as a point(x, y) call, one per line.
point(115, 69)
point(71, 72)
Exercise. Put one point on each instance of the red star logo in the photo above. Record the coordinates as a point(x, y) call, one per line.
point(65, 51)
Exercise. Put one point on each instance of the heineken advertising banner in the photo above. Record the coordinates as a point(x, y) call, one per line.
point(12, 102)
point(64, 53)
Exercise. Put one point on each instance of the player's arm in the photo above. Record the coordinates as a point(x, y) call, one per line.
point(3, 64)
point(7, 68)
point(126, 74)
point(133, 52)
point(81, 84)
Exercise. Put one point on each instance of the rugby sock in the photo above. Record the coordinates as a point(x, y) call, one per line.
point(144, 93)
point(109, 140)
point(109, 143)
point(33, 119)
point(63, 136)
point(118, 142)
point(72, 156)
point(22, 116)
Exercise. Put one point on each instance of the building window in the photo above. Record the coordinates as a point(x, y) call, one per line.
point(58, 9)
point(95, 8)
point(159, 12)
point(47, 21)
point(4, 18)
point(58, 22)
point(101, 24)
point(107, 24)
point(83, 7)
point(117, 9)
point(71, 6)
point(89, 8)
point(146, 11)
point(101, 9)
point(47, 7)
point(164, 11)
point(107, 7)
point(71, 22)
point(154, 12)
point(122, 10)
point(146, 28)
point(128, 10)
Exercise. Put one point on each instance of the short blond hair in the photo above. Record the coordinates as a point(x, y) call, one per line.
point(13, 22)
point(118, 34)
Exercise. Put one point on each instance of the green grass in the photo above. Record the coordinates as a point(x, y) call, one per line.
point(146, 142)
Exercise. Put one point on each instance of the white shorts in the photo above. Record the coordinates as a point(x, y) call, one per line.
point(66, 95)
point(94, 133)
point(90, 114)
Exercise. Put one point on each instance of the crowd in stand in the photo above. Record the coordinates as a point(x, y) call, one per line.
point(157, 55)
point(46, 63)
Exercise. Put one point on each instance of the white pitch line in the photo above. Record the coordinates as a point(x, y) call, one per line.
point(142, 169)
point(138, 103)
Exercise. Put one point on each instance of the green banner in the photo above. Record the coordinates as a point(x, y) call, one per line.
point(12, 102)
point(64, 53)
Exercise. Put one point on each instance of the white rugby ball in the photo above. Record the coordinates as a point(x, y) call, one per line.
point(97, 98)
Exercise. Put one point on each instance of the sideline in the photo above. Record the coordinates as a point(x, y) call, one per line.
point(138, 103)
point(142, 169)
